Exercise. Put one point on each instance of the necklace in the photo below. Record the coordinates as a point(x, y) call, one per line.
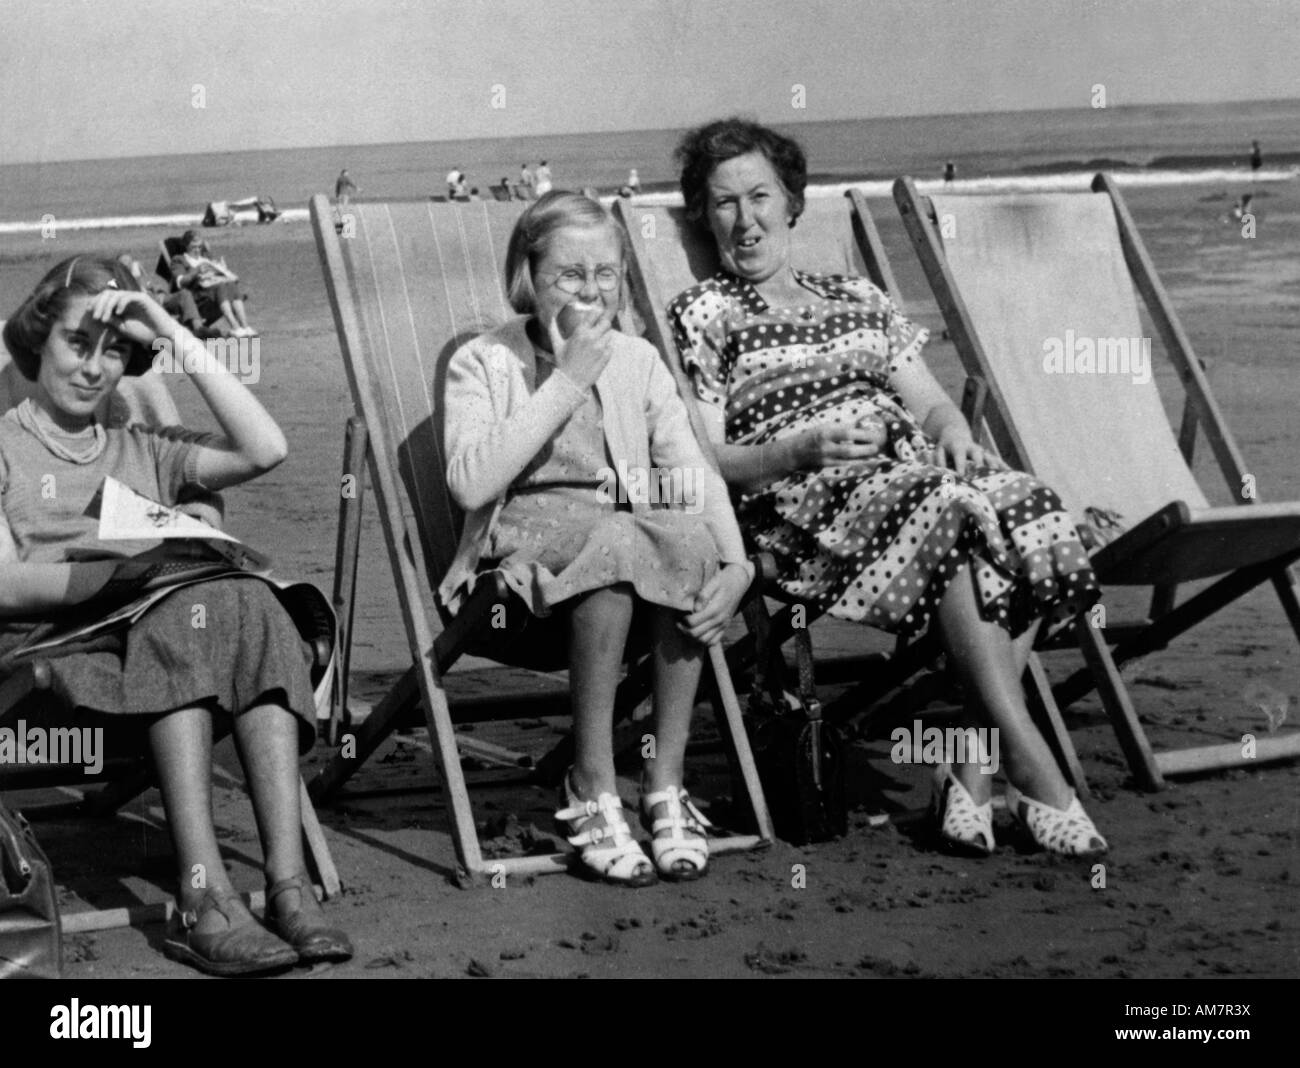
point(82, 447)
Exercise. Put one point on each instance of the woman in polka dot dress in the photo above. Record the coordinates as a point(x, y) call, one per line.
point(861, 477)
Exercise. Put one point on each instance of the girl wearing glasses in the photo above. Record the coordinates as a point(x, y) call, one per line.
point(584, 486)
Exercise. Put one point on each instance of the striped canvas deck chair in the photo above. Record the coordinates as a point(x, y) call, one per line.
point(1030, 286)
point(409, 283)
point(834, 235)
point(25, 691)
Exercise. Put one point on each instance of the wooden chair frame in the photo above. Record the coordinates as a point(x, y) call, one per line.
point(1125, 560)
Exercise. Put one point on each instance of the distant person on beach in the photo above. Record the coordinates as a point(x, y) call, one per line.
point(634, 181)
point(950, 171)
point(527, 188)
point(76, 336)
point(537, 410)
point(344, 190)
point(823, 415)
point(455, 183)
point(543, 184)
point(179, 304)
point(213, 284)
point(1256, 157)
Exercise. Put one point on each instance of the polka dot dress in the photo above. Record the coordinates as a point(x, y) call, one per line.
point(874, 541)
point(563, 530)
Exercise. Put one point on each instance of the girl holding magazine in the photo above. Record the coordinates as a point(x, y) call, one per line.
point(75, 336)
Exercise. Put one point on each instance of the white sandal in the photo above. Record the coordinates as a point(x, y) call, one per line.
point(962, 823)
point(607, 853)
point(682, 855)
point(1066, 831)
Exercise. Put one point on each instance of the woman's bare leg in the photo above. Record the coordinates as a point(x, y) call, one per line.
point(267, 737)
point(677, 664)
point(986, 662)
point(598, 627)
point(182, 751)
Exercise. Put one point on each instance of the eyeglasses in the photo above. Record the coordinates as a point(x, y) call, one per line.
point(573, 280)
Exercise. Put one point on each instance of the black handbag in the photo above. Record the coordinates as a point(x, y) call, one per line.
point(800, 755)
point(31, 935)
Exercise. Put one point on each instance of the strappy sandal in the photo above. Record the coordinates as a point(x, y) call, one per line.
point(314, 942)
point(1068, 831)
point(608, 853)
point(683, 853)
point(245, 947)
point(962, 823)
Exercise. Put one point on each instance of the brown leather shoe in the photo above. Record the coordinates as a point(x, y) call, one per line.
point(244, 948)
point(313, 941)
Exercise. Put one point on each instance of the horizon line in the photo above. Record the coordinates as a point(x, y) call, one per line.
point(653, 129)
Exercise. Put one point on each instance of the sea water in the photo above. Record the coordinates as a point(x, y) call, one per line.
point(1028, 150)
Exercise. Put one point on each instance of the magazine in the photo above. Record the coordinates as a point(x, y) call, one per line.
point(204, 553)
point(213, 273)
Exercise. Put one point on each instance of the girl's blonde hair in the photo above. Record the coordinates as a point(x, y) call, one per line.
point(532, 235)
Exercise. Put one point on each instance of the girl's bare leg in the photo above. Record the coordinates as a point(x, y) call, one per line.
point(677, 664)
point(598, 627)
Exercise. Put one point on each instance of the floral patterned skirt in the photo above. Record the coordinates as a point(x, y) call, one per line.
point(558, 542)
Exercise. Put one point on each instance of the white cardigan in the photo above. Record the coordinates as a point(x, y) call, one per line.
point(497, 423)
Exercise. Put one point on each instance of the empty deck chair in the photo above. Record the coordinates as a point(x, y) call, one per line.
point(409, 283)
point(834, 235)
point(1022, 278)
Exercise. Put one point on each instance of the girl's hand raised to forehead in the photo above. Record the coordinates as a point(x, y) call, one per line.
point(134, 315)
point(586, 351)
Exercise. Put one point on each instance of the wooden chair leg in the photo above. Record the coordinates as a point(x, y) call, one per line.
point(1039, 688)
point(347, 548)
point(1285, 584)
point(733, 725)
point(316, 849)
point(1115, 699)
point(383, 719)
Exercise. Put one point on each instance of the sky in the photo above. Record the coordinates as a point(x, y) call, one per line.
point(86, 79)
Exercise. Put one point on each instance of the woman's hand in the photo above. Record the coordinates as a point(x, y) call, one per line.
point(586, 351)
point(957, 450)
point(134, 315)
point(716, 603)
point(829, 444)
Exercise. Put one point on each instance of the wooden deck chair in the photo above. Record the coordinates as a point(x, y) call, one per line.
point(409, 283)
point(25, 691)
point(1019, 276)
point(834, 235)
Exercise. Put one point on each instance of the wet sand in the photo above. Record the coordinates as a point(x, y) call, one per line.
point(1200, 880)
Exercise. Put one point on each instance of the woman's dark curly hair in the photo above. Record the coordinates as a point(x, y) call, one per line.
point(29, 327)
point(704, 148)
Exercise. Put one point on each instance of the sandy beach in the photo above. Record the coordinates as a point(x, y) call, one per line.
point(1201, 878)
